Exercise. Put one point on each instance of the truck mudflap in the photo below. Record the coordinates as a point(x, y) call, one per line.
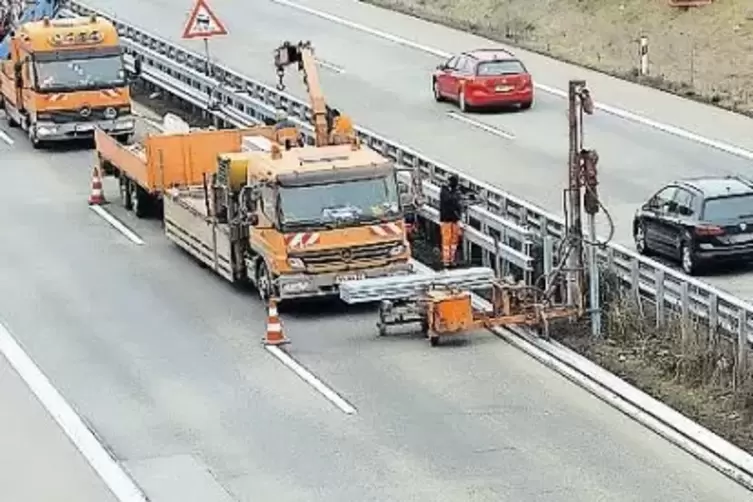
point(321, 285)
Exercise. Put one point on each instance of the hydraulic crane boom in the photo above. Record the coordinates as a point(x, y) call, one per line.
point(325, 119)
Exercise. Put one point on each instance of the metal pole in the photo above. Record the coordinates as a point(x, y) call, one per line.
point(206, 53)
point(593, 276)
point(574, 225)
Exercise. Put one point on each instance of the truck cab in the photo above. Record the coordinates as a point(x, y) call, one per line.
point(64, 78)
point(322, 215)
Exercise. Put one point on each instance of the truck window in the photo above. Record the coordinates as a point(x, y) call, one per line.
point(728, 208)
point(79, 73)
point(360, 201)
point(268, 204)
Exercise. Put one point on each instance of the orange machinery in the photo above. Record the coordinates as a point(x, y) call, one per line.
point(448, 310)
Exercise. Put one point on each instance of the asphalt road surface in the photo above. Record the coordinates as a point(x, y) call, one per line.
point(37, 461)
point(163, 359)
point(386, 87)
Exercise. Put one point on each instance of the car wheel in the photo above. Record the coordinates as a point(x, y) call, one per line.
point(688, 260)
point(526, 105)
point(435, 89)
point(640, 239)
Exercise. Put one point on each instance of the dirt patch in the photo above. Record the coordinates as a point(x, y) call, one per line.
point(682, 366)
point(704, 53)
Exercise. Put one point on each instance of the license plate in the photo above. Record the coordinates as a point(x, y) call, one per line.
point(349, 277)
point(84, 127)
point(503, 88)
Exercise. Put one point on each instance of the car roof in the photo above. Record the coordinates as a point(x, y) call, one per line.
point(718, 186)
point(490, 54)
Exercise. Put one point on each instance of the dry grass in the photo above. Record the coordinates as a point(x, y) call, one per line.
point(705, 53)
point(683, 366)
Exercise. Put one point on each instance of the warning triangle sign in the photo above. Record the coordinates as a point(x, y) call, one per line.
point(203, 23)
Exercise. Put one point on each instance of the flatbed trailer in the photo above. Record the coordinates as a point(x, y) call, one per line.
point(158, 159)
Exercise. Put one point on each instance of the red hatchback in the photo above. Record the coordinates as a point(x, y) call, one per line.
point(483, 78)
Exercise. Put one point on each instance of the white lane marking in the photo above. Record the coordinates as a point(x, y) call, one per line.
point(113, 475)
point(337, 69)
point(6, 137)
point(117, 224)
point(485, 127)
point(309, 378)
point(624, 114)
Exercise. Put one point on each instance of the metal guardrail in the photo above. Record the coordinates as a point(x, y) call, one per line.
point(501, 224)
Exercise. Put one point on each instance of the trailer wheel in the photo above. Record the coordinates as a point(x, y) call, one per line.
point(138, 200)
point(125, 193)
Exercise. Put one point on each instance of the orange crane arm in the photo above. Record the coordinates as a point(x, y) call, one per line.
point(303, 54)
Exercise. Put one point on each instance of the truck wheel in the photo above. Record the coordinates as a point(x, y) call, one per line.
point(125, 192)
point(263, 282)
point(8, 117)
point(138, 200)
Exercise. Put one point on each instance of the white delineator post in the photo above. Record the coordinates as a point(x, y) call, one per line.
point(643, 53)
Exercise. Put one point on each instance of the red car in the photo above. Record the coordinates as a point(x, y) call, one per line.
point(483, 78)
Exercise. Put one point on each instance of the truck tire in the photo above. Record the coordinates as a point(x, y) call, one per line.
point(139, 201)
point(264, 282)
point(125, 192)
point(8, 117)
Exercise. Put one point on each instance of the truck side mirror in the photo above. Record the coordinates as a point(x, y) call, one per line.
point(253, 219)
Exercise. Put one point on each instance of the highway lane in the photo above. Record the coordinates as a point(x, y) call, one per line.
point(386, 87)
point(37, 461)
point(163, 359)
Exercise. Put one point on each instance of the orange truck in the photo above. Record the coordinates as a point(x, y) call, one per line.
point(166, 156)
point(295, 222)
point(64, 77)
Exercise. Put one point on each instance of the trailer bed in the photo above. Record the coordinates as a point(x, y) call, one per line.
point(187, 225)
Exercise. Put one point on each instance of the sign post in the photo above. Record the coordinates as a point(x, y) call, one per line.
point(203, 23)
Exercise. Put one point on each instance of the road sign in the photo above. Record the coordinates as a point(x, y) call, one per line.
point(203, 23)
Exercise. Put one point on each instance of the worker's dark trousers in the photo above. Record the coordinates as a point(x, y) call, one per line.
point(450, 233)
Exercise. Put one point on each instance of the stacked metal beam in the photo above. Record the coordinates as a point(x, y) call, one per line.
point(411, 286)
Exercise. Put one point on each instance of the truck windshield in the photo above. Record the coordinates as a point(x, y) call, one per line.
point(339, 204)
point(80, 74)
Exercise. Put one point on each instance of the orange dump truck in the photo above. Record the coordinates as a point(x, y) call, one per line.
point(295, 223)
point(65, 77)
point(164, 157)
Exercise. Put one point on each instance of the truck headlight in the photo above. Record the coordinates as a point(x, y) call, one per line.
point(126, 124)
point(296, 263)
point(46, 130)
point(397, 250)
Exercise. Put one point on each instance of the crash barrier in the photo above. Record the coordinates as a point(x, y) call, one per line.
point(499, 224)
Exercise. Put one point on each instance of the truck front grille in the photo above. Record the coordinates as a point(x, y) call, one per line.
point(354, 255)
point(67, 116)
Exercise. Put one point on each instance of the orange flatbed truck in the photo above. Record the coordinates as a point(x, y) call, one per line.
point(295, 223)
point(64, 78)
point(159, 159)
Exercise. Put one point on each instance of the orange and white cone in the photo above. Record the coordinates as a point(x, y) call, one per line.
point(274, 335)
point(97, 196)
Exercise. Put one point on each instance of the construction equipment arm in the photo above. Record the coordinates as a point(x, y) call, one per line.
point(303, 54)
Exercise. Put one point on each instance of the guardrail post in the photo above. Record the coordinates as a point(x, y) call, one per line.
point(741, 368)
point(548, 261)
point(713, 318)
point(659, 297)
point(528, 272)
point(685, 311)
point(635, 282)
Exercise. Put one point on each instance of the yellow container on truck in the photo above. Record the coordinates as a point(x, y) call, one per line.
point(65, 77)
point(294, 223)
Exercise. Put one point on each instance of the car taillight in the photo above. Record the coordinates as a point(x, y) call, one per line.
point(708, 230)
point(525, 82)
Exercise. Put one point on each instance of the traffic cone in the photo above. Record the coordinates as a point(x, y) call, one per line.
point(274, 326)
point(97, 197)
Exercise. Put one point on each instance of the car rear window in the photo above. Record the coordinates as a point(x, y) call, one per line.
point(728, 208)
point(495, 68)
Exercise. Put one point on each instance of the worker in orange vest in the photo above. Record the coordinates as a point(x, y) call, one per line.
point(450, 214)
